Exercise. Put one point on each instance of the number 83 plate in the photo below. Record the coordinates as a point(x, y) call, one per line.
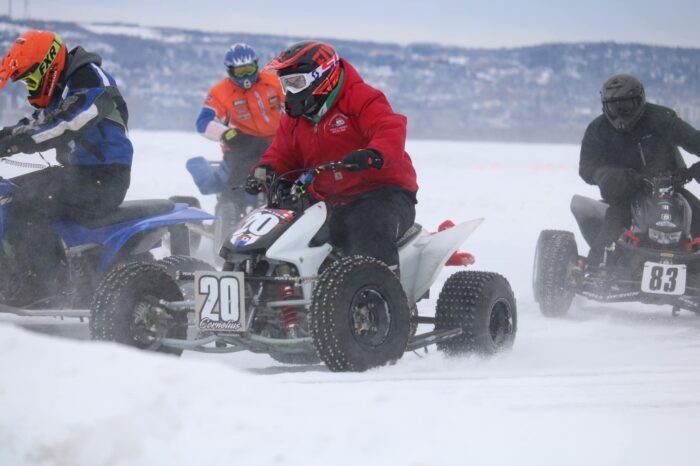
point(219, 301)
point(666, 279)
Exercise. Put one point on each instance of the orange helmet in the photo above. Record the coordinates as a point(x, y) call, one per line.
point(37, 59)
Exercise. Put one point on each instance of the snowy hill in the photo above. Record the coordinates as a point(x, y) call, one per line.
point(607, 385)
point(540, 93)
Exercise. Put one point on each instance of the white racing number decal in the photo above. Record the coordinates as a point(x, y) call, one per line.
point(220, 301)
point(664, 278)
point(257, 225)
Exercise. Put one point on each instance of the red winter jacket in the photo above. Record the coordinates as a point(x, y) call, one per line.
point(360, 118)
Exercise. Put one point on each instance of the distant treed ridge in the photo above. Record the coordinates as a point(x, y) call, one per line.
point(545, 93)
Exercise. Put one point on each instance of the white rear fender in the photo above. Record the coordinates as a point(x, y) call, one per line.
point(293, 245)
point(423, 258)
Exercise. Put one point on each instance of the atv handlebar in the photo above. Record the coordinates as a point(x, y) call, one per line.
point(302, 185)
point(673, 179)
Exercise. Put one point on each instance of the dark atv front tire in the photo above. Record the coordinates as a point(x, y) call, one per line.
point(187, 264)
point(483, 306)
point(556, 255)
point(123, 309)
point(359, 315)
point(195, 238)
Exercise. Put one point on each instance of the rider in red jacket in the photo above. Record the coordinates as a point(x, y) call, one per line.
point(331, 115)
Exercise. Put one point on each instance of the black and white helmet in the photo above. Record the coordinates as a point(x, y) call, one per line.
point(623, 101)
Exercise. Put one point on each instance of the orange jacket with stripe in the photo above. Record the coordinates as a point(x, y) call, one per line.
point(255, 111)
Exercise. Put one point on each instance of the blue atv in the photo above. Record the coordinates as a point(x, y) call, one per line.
point(92, 248)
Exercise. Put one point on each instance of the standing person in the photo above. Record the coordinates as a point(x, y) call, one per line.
point(631, 138)
point(242, 112)
point(331, 115)
point(80, 113)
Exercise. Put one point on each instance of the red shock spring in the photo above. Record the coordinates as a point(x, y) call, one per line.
point(289, 313)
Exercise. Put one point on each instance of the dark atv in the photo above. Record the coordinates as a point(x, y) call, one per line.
point(655, 261)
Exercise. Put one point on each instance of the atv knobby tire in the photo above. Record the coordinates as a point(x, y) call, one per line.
point(123, 308)
point(483, 306)
point(555, 260)
point(359, 315)
point(187, 264)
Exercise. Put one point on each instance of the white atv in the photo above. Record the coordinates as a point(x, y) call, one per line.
point(284, 290)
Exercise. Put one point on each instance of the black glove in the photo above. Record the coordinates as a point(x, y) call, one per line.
point(9, 146)
point(258, 178)
point(363, 159)
point(228, 137)
point(694, 171)
point(617, 183)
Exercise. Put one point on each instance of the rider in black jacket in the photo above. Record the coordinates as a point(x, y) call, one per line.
point(631, 138)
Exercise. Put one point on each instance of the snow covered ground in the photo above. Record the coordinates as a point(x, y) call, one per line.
point(608, 385)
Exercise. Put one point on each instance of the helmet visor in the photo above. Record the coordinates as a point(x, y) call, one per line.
point(243, 71)
point(294, 83)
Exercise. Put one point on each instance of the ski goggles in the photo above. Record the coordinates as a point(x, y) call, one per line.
point(243, 71)
point(32, 78)
point(296, 82)
point(622, 108)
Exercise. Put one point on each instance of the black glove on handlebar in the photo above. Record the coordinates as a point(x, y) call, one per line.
point(363, 159)
point(258, 178)
point(617, 183)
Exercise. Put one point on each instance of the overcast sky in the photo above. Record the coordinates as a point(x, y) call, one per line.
point(485, 23)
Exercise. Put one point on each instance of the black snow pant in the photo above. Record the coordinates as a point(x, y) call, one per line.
point(371, 224)
point(240, 159)
point(73, 192)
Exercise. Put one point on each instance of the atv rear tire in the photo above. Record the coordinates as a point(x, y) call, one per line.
point(483, 306)
point(555, 261)
point(359, 315)
point(123, 308)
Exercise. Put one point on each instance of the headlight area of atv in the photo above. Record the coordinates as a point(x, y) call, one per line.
point(661, 237)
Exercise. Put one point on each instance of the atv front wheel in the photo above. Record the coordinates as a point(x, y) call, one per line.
point(553, 280)
point(125, 308)
point(359, 315)
point(483, 306)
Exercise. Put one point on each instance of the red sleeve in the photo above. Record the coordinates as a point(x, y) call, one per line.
point(281, 155)
point(385, 129)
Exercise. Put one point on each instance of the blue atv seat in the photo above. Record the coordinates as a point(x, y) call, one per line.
point(131, 210)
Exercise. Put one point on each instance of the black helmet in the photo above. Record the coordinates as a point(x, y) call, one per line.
point(309, 71)
point(623, 101)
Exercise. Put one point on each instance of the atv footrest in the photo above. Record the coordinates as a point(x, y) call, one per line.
point(430, 338)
